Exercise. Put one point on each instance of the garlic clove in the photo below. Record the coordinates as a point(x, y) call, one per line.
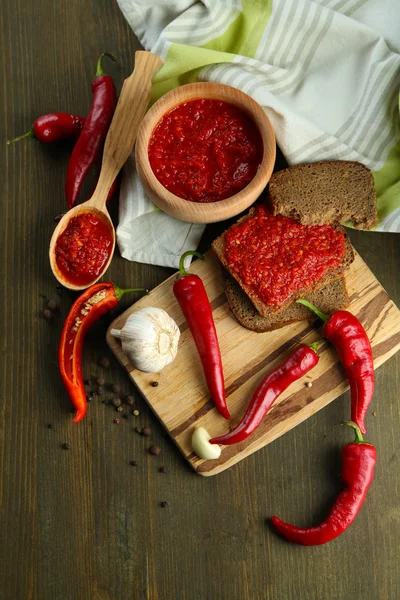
point(150, 338)
point(202, 446)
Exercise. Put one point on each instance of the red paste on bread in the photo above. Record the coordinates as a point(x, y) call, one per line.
point(83, 248)
point(276, 256)
point(205, 150)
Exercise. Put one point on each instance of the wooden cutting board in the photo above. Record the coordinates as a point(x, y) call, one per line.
point(181, 400)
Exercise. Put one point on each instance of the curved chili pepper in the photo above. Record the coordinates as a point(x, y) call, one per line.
point(190, 292)
point(89, 146)
point(359, 460)
point(53, 127)
point(351, 341)
point(114, 189)
point(301, 360)
point(86, 310)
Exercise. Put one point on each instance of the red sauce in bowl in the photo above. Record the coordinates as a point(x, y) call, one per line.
point(205, 150)
point(83, 248)
point(275, 256)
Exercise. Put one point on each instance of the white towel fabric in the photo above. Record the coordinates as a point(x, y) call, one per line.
point(146, 234)
point(325, 71)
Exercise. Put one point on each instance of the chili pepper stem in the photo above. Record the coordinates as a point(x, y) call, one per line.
point(315, 345)
point(99, 66)
point(29, 134)
point(319, 313)
point(119, 292)
point(182, 271)
point(359, 436)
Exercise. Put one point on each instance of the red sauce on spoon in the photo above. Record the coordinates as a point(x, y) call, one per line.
point(83, 248)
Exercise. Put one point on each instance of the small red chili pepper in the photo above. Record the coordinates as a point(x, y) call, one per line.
point(89, 146)
point(190, 292)
point(351, 341)
point(301, 360)
point(53, 127)
point(114, 189)
point(359, 460)
point(86, 310)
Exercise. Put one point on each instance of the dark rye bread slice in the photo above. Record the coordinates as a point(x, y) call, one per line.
point(325, 192)
point(328, 298)
point(265, 310)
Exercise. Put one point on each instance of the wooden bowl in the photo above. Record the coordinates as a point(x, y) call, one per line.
point(209, 212)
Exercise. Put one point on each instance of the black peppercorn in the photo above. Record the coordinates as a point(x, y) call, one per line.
point(138, 429)
point(88, 382)
point(52, 305)
point(130, 400)
point(116, 402)
point(116, 388)
point(125, 416)
point(65, 446)
point(163, 504)
point(146, 431)
point(163, 470)
point(133, 463)
point(99, 390)
point(49, 426)
point(154, 384)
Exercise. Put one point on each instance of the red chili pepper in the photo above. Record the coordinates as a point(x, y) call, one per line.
point(359, 460)
point(114, 189)
point(89, 146)
point(192, 297)
point(301, 360)
point(53, 127)
point(351, 341)
point(86, 310)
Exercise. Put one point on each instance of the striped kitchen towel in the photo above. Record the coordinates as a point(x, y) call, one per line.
point(326, 72)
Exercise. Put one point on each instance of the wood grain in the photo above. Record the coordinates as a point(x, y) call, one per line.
point(204, 212)
point(85, 525)
point(181, 400)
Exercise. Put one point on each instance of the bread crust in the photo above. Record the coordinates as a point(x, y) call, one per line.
point(329, 298)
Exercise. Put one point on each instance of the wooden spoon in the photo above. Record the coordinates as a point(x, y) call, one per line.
point(131, 107)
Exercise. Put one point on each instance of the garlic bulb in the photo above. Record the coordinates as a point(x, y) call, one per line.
point(150, 339)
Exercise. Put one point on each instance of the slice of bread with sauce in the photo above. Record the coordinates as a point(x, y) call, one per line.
point(313, 194)
point(266, 310)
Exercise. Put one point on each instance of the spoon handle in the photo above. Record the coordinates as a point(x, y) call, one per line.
point(131, 107)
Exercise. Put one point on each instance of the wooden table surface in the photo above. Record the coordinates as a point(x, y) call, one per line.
point(82, 523)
